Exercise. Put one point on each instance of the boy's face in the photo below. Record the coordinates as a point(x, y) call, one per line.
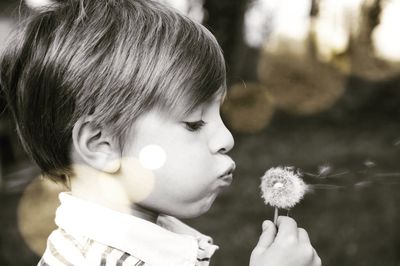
point(190, 179)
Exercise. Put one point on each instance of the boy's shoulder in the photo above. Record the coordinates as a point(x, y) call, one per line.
point(64, 249)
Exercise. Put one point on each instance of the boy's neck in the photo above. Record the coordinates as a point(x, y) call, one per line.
point(140, 212)
point(109, 196)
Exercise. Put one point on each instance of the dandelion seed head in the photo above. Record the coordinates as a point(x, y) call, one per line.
point(324, 170)
point(369, 163)
point(282, 187)
point(396, 142)
point(362, 184)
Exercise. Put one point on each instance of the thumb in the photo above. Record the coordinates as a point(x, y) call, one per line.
point(267, 236)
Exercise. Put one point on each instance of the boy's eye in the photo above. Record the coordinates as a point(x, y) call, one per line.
point(195, 126)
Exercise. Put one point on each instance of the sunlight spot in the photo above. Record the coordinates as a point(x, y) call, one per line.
point(36, 212)
point(385, 37)
point(152, 157)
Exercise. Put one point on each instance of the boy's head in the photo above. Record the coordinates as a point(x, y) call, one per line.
point(110, 60)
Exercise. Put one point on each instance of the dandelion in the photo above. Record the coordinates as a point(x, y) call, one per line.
point(324, 170)
point(282, 188)
point(368, 163)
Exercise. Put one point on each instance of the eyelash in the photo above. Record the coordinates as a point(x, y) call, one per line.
point(195, 126)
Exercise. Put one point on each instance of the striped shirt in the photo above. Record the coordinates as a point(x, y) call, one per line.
point(89, 234)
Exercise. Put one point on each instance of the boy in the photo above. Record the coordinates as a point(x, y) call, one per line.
point(97, 86)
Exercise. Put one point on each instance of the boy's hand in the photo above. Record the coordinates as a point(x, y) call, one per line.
point(289, 247)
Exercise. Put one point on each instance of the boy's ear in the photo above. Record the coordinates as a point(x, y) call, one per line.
point(96, 146)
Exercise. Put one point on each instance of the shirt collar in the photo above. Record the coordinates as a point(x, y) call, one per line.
point(140, 238)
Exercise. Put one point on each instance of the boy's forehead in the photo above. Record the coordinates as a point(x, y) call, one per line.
point(218, 98)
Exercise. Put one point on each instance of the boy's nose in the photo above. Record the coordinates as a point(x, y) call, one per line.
point(222, 141)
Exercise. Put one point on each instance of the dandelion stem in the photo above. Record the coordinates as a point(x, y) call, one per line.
point(276, 215)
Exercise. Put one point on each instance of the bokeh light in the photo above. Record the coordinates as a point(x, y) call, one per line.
point(152, 156)
point(386, 36)
point(336, 22)
point(133, 180)
point(300, 85)
point(248, 107)
point(36, 212)
point(358, 37)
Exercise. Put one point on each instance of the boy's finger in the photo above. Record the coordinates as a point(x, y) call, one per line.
point(287, 228)
point(317, 260)
point(267, 236)
point(303, 236)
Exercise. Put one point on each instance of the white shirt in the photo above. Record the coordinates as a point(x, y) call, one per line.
point(90, 234)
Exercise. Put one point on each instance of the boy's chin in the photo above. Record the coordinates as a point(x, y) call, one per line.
point(193, 212)
point(187, 215)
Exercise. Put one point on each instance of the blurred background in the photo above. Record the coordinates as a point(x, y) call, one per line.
point(313, 84)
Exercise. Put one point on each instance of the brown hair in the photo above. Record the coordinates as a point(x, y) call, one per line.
point(113, 59)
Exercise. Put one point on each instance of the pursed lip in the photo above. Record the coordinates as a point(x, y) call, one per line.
point(227, 176)
point(227, 179)
point(230, 170)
